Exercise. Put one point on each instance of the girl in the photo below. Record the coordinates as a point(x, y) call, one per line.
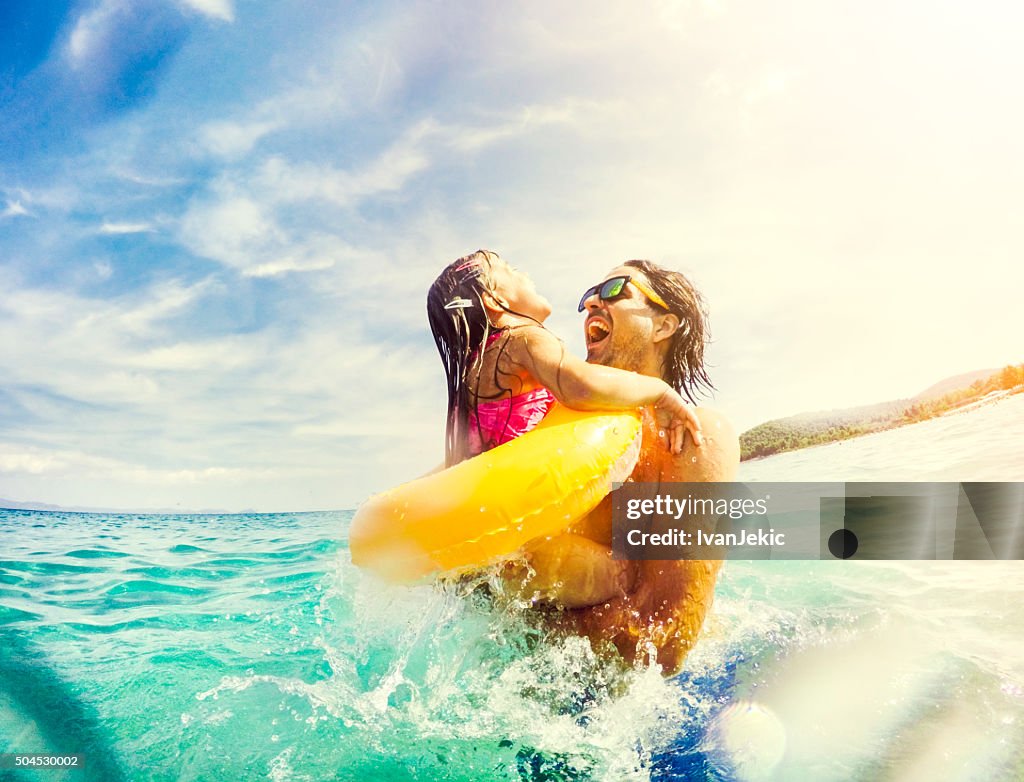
point(505, 370)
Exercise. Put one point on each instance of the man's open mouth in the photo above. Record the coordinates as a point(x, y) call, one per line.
point(597, 330)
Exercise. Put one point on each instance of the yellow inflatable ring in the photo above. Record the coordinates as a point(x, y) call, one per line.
point(487, 507)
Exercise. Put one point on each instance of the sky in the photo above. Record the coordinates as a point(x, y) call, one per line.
point(219, 218)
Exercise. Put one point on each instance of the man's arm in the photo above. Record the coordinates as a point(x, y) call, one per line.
point(571, 571)
point(661, 616)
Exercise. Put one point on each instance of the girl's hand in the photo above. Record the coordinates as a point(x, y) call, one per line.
point(677, 417)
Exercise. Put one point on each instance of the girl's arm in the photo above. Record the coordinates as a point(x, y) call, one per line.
point(583, 386)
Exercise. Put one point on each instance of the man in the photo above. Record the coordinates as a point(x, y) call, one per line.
point(653, 323)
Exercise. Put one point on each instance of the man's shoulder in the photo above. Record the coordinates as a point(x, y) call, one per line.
point(715, 422)
point(716, 460)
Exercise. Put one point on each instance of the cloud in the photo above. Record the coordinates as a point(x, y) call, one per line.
point(125, 228)
point(372, 428)
point(33, 461)
point(96, 352)
point(92, 32)
point(301, 261)
point(234, 139)
point(58, 196)
point(141, 397)
point(389, 172)
point(40, 461)
point(14, 209)
point(240, 221)
point(222, 355)
point(99, 30)
point(216, 9)
point(316, 101)
point(506, 125)
point(140, 313)
point(241, 233)
point(230, 230)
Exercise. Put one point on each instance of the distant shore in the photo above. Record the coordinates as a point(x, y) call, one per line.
point(811, 429)
point(988, 399)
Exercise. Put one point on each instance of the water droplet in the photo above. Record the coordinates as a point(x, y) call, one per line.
point(483, 509)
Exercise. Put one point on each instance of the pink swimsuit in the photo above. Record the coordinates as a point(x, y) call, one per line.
point(505, 419)
point(497, 421)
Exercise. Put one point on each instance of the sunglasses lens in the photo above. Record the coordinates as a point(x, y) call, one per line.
point(613, 287)
point(609, 289)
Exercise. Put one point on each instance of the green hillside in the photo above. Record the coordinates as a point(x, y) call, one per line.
point(800, 431)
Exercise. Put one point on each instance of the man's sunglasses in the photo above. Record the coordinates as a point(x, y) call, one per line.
point(614, 287)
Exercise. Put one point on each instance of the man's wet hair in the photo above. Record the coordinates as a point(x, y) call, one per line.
point(684, 368)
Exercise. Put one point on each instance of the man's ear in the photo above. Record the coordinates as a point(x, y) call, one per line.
point(665, 326)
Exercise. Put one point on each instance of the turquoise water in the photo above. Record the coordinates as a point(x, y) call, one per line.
point(248, 647)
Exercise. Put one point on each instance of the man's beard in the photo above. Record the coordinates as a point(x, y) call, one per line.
point(622, 354)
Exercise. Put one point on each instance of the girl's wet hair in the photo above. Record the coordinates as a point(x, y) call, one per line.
point(458, 321)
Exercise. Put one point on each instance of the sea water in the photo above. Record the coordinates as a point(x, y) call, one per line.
point(247, 647)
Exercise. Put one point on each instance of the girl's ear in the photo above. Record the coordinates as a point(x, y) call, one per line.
point(494, 305)
point(665, 326)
